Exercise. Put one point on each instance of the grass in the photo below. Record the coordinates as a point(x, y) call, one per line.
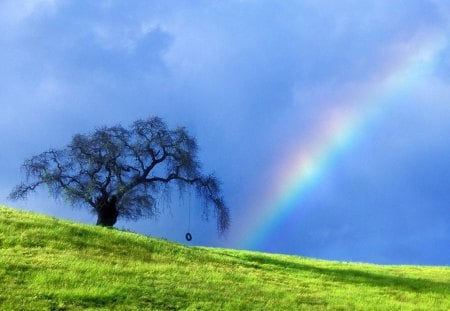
point(51, 264)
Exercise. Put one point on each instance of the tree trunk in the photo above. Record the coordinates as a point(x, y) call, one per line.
point(106, 211)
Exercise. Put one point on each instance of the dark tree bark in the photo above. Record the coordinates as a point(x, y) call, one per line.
point(107, 211)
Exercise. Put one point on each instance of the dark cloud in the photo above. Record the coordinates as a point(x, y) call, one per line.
point(249, 79)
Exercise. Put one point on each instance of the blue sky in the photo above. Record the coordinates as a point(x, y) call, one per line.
point(250, 79)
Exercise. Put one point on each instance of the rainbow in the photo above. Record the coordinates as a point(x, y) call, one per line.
point(340, 131)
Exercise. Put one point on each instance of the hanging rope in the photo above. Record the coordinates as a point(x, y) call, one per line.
point(188, 235)
point(189, 213)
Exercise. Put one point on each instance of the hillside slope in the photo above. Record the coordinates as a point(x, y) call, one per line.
point(51, 264)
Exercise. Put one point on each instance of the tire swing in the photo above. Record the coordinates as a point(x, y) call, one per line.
point(188, 235)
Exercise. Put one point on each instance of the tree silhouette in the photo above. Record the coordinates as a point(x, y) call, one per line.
point(119, 172)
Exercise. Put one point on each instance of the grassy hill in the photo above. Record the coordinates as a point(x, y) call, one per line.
point(51, 264)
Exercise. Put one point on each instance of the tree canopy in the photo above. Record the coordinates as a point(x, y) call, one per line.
point(118, 172)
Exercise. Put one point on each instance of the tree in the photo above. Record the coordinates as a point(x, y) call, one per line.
point(119, 172)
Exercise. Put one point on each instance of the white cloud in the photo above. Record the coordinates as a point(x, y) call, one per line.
point(50, 90)
point(13, 12)
point(444, 9)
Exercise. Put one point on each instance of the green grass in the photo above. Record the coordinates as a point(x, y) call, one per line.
point(51, 264)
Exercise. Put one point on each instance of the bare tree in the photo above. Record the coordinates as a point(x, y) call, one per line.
point(119, 172)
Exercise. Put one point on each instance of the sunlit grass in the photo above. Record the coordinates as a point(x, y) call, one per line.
point(50, 264)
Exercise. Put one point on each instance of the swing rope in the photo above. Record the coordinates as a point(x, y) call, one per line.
point(189, 211)
point(188, 235)
point(189, 216)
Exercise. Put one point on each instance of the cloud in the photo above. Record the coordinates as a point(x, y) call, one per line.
point(14, 13)
point(249, 79)
point(393, 184)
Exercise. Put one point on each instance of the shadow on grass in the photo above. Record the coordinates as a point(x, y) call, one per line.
point(354, 276)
